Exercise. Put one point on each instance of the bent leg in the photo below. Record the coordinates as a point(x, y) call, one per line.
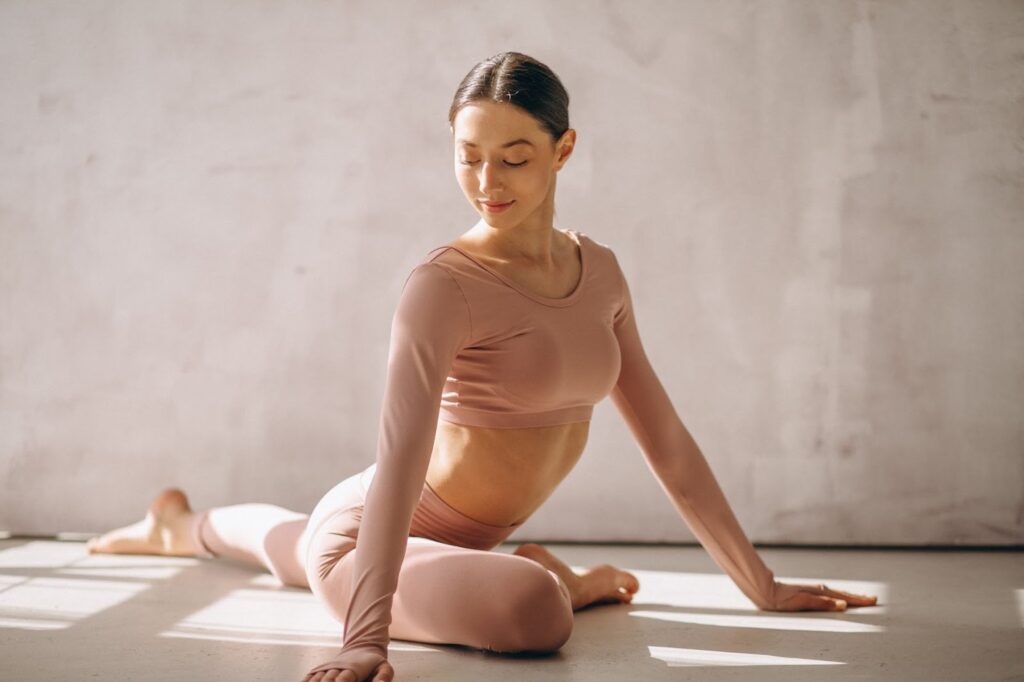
point(258, 534)
point(452, 595)
point(486, 600)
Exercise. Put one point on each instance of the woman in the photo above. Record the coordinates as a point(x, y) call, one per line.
point(502, 342)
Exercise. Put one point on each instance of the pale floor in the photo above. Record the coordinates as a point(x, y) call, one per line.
point(942, 615)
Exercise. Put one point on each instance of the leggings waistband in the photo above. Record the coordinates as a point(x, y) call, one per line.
point(432, 517)
point(435, 519)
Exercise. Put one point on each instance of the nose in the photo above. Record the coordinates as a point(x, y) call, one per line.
point(490, 178)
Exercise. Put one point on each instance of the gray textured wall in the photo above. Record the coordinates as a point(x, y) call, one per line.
point(819, 205)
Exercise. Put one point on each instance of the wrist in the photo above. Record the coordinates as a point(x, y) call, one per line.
point(768, 601)
point(362, 659)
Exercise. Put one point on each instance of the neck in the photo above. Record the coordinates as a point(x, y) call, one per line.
point(533, 240)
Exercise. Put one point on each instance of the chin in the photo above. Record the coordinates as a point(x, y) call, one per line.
point(492, 219)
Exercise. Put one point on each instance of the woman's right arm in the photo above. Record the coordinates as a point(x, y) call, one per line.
point(430, 325)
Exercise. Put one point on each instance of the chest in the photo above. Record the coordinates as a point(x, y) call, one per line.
point(556, 285)
point(543, 357)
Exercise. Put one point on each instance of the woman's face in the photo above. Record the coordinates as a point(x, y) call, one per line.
point(502, 155)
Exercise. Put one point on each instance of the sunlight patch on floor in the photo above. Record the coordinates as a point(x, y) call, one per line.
point(76, 586)
point(139, 572)
point(262, 616)
point(41, 554)
point(806, 623)
point(32, 623)
point(52, 603)
point(252, 638)
point(676, 657)
point(8, 581)
point(68, 557)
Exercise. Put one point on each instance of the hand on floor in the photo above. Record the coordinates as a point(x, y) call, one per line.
point(816, 598)
point(353, 666)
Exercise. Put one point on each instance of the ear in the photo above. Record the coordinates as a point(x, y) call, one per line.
point(568, 141)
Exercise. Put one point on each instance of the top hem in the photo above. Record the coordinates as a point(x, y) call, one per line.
point(516, 420)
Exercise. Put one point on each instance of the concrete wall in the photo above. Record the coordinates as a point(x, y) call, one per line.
point(819, 206)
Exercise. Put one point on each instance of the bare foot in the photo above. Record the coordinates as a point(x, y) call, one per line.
point(601, 584)
point(165, 530)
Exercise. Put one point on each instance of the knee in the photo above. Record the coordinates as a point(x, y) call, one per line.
point(539, 614)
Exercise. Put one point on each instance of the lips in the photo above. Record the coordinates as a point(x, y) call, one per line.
point(495, 209)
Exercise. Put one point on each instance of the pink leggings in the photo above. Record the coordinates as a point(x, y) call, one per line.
point(451, 588)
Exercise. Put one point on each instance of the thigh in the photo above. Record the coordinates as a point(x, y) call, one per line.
point(332, 526)
point(451, 595)
point(483, 599)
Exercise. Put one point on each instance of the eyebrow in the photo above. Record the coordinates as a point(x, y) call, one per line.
point(521, 140)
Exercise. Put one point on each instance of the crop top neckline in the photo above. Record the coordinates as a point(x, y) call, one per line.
point(546, 300)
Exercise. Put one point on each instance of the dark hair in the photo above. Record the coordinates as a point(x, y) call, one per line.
point(518, 79)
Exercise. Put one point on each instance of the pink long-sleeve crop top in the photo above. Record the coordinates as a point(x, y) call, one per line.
point(530, 360)
point(469, 345)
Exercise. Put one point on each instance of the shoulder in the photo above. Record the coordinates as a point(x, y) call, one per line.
point(596, 246)
point(432, 280)
point(432, 304)
point(602, 255)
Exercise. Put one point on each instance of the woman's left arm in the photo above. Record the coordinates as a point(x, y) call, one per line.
point(684, 474)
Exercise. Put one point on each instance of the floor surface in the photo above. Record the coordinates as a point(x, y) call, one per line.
point(942, 615)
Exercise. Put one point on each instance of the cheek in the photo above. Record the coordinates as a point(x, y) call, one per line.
point(466, 180)
point(534, 183)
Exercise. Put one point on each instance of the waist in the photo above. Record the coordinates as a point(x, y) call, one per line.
point(435, 519)
point(432, 517)
point(501, 476)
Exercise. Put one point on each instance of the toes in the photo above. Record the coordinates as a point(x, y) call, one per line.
point(629, 582)
point(98, 545)
point(528, 549)
point(626, 585)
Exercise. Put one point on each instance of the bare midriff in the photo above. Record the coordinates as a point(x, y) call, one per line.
point(500, 476)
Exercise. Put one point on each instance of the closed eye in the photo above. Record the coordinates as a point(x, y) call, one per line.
point(514, 165)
